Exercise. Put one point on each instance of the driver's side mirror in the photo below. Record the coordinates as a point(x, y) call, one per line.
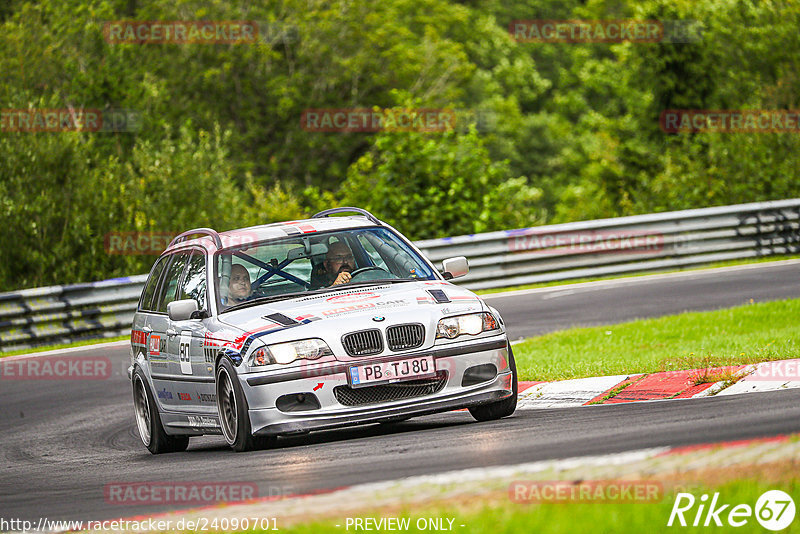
point(454, 267)
point(181, 310)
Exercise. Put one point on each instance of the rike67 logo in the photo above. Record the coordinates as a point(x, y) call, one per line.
point(774, 510)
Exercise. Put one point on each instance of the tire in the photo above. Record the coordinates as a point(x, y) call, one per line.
point(501, 408)
point(234, 418)
point(148, 421)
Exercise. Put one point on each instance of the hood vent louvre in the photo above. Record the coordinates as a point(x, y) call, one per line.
point(439, 295)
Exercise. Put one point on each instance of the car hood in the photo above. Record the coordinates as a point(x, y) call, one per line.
point(331, 314)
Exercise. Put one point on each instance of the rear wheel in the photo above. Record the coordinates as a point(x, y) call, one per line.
point(233, 412)
point(501, 408)
point(148, 421)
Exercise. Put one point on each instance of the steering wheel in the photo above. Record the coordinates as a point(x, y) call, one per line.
point(366, 269)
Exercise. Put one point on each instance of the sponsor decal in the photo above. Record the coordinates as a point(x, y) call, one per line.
point(163, 394)
point(202, 421)
point(184, 352)
point(138, 337)
point(369, 305)
point(155, 345)
point(184, 396)
point(304, 228)
point(206, 397)
point(352, 297)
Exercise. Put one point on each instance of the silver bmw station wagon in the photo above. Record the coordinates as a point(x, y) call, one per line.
point(306, 325)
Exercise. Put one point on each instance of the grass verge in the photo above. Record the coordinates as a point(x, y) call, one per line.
point(697, 340)
point(496, 513)
point(81, 343)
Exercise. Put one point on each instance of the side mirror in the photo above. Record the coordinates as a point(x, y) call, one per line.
point(455, 267)
point(181, 310)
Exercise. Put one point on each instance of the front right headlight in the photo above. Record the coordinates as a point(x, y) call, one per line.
point(284, 353)
point(470, 324)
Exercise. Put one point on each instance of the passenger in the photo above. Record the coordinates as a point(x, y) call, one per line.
point(239, 286)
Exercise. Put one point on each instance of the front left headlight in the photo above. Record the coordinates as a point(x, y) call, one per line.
point(471, 324)
point(283, 353)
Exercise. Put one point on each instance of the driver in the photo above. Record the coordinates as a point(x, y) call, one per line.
point(239, 286)
point(339, 263)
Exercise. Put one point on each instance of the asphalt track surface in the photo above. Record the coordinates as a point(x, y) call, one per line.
point(62, 442)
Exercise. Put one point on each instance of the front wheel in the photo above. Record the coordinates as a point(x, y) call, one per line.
point(501, 408)
point(234, 417)
point(148, 421)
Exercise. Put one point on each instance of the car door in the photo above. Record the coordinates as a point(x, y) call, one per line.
point(166, 365)
point(196, 373)
point(142, 338)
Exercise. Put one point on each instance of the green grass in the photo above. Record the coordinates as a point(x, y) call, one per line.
point(82, 343)
point(745, 334)
point(715, 265)
point(500, 515)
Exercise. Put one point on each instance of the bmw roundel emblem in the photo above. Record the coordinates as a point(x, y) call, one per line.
point(378, 318)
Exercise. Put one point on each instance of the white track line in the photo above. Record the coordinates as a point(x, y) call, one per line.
point(602, 284)
point(109, 345)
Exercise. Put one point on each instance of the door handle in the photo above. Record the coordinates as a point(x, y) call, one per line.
point(171, 332)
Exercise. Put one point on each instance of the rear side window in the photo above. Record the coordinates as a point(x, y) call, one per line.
point(146, 303)
point(172, 278)
point(194, 281)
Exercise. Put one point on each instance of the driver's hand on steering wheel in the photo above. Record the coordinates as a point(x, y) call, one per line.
point(343, 278)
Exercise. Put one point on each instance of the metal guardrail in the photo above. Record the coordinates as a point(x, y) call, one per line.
point(640, 243)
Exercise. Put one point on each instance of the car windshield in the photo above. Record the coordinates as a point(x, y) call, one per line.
point(283, 268)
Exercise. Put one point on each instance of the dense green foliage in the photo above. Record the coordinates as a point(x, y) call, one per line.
point(574, 131)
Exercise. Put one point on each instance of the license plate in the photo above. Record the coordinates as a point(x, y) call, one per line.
point(364, 375)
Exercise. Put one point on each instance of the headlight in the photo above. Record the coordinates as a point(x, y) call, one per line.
point(472, 324)
point(305, 349)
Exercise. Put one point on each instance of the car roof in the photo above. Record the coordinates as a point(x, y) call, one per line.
point(264, 232)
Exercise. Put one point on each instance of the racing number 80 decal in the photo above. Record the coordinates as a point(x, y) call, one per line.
point(184, 353)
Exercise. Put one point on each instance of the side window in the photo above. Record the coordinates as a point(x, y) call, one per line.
point(194, 282)
point(146, 302)
point(169, 288)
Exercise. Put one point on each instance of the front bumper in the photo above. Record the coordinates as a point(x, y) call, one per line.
point(262, 390)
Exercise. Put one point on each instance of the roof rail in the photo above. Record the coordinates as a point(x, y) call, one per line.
point(347, 209)
point(204, 231)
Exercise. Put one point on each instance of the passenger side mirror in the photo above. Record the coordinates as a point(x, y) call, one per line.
point(181, 310)
point(455, 267)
